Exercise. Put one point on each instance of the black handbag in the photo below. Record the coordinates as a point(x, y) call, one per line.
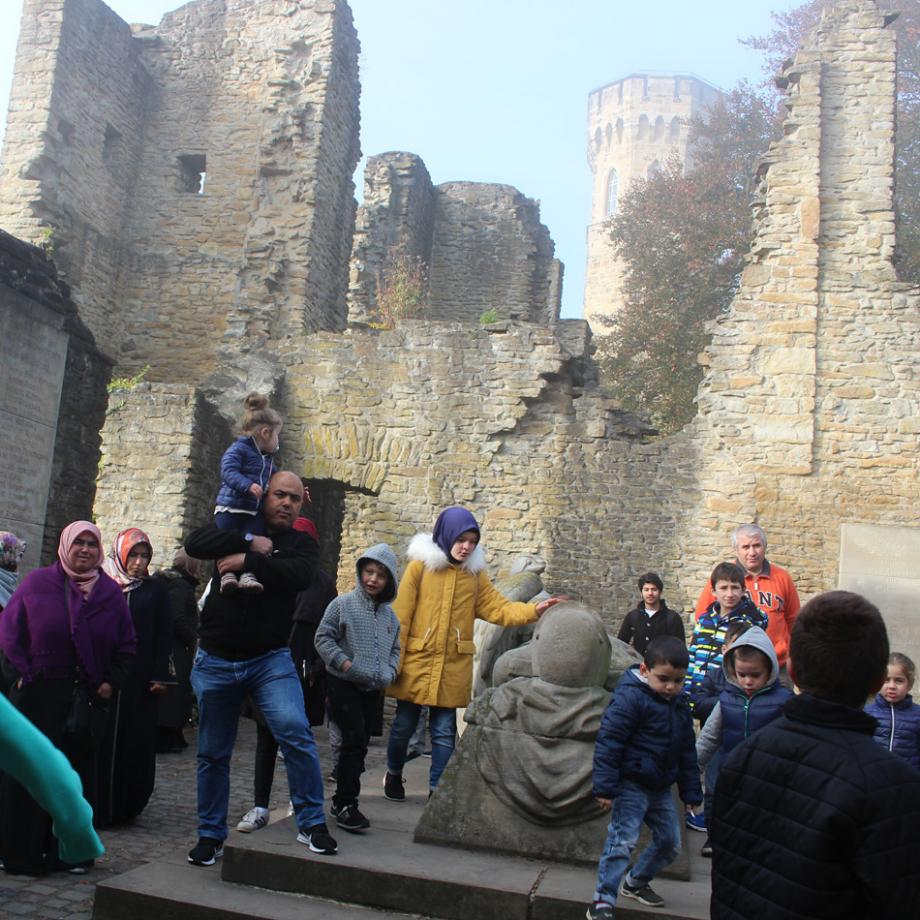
point(87, 717)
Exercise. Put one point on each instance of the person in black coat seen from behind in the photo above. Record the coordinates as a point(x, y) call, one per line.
point(174, 708)
point(812, 818)
point(651, 617)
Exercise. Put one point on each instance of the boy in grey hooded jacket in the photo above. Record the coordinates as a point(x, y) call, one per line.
point(752, 698)
point(358, 639)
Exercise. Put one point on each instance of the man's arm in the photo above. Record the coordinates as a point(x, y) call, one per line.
point(626, 629)
point(710, 739)
point(791, 609)
point(289, 568)
point(210, 542)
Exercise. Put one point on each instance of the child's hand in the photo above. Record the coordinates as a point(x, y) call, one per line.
point(543, 606)
point(604, 803)
point(346, 666)
point(256, 490)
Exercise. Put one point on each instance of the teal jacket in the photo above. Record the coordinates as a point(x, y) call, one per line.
point(32, 760)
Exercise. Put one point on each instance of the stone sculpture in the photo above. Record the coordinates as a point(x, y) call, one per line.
point(520, 780)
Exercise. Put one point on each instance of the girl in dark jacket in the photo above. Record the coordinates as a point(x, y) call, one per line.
point(245, 469)
point(898, 716)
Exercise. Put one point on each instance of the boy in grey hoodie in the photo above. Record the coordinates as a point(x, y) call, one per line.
point(358, 639)
point(751, 699)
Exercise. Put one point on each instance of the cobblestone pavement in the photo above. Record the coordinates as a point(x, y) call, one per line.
point(167, 824)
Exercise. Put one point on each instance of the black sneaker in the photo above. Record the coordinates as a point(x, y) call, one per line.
point(319, 840)
point(643, 894)
point(206, 852)
point(599, 911)
point(350, 819)
point(707, 849)
point(394, 787)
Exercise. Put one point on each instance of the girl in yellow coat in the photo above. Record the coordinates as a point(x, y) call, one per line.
point(444, 589)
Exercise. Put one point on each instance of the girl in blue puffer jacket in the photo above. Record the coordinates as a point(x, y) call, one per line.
point(245, 470)
point(898, 716)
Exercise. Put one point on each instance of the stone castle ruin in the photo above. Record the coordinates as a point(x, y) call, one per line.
point(265, 278)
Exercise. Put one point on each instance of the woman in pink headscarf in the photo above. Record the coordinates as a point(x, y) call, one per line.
point(127, 760)
point(66, 625)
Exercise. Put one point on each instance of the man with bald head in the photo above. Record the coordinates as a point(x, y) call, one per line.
point(768, 585)
point(243, 650)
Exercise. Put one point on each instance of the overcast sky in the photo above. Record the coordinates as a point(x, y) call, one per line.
point(497, 90)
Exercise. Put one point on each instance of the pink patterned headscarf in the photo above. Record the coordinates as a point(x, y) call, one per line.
point(83, 580)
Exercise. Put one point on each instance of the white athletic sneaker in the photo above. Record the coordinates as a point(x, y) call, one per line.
point(254, 820)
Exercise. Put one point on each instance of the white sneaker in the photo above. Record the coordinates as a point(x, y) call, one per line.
point(254, 820)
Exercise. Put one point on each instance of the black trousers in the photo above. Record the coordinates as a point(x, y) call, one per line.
point(359, 714)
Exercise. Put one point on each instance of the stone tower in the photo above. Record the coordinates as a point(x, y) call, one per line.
point(634, 125)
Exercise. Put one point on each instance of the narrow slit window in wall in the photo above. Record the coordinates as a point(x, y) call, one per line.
point(192, 173)
point(110, 142)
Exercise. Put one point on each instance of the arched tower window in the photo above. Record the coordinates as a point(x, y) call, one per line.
point(613, 191)
point(643, 127)
point(675, 128)
point(598, 137)
point(619, 130)
point(659, 128)
point(608, 133)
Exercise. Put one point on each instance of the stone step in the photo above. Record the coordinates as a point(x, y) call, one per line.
point(174, 890)
point(269, 875)
point(386, 869)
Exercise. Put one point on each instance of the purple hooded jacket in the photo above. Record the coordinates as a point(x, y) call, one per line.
point(47, 619)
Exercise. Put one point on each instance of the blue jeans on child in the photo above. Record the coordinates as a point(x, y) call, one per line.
point(443, 726)
point(241, 522)
point(272, 682)
point(633, 805)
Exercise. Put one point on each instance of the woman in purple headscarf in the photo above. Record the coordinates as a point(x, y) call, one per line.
point(66, 623)
point(444, 589)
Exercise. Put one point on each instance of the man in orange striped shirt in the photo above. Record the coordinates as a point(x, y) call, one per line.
point(768, 585)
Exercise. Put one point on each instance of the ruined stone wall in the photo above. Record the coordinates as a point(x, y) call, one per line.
point(476, 246)
point(440, 413)
point(107, 135)
point(808, 411)
point(52, 402)
point(72, 146)
point(160, 466)
point(395, 222)
point(490, 251)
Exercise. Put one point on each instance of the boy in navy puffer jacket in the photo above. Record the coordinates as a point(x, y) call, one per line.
point(752, 697)
point(644, 745)
point(358, 639)
point(898, 716)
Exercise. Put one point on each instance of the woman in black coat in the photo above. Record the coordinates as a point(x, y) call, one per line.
point(127, 760)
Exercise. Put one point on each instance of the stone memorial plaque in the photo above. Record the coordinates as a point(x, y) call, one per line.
point(33, 353)
point(882, 563)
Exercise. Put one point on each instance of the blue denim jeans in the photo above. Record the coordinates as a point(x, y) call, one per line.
point(631, 807)
point(442, 724)
point(271, 680)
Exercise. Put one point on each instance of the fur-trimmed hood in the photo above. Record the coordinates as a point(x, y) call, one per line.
point(422, 548)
